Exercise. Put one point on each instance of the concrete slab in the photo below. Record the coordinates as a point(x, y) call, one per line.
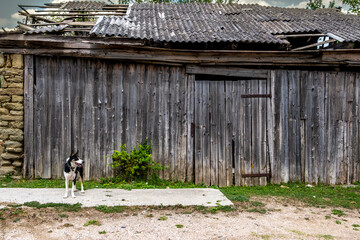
point(118, 197)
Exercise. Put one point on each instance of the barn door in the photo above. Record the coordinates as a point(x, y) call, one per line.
point(231, 131)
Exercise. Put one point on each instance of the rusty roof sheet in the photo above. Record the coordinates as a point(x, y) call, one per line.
point(194, 22)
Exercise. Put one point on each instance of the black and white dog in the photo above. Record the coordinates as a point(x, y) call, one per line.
point(73, 166)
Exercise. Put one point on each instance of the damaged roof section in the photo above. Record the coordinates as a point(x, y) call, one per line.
point(194, 22)
point(76, 17)
point(199, 25)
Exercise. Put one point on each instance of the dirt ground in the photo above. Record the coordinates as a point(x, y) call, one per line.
point(261, 218)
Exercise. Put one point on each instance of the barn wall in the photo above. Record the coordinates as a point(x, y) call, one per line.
point(94, 106)
point(204, 131)
point(316, 126)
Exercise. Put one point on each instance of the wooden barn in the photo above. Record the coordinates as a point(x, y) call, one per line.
point(228, 94)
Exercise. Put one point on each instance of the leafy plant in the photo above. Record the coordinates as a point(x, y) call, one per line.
point(137, 165)
point(114, 209)
point(92, 222)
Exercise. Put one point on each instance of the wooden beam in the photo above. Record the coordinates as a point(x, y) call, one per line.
point(227, 71)
point(72, 14)
point(120, 48)
point(25, 27)
point(314, 45)
point(301, 35)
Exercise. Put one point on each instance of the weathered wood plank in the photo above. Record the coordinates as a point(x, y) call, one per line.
point(247, 134)
point(227, 71)
point(220, 132)
point(262, 124)
point(190, 128)
point(270, 122)
point(294, 126)
point(284, 128)
point(229, 119)
point(205, 132)
point(48, 105)
point(322, 127)
point(198, 150)
point(255, 138)
point(29, 114)
point(237, 109)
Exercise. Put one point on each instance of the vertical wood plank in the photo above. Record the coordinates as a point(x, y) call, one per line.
point(229, 132)
point(247, 134)
point(262, 124)
point(255, 146)
point(28, 166)
point(205, 132)
point(190, 126)
point(270, 122)
point(220, 132)
point(198, 133)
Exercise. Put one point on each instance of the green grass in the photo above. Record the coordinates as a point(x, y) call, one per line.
point(104, 183)
point(338, 213)
point(59, 206)
point(115, 209)
point(179, 226)
point(92, 222)
point(162, 218)
point(102, 232)
point(333, 196)
point(319, 195)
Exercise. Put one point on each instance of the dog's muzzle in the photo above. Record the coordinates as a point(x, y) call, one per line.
point(78, 164)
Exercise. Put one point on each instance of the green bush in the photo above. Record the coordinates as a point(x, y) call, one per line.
point(137, 165)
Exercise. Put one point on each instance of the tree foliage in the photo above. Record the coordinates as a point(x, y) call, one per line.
point(354, 5)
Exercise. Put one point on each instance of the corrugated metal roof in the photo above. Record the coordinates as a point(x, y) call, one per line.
point(48, 29)
point(83, 5)
point(194, 22)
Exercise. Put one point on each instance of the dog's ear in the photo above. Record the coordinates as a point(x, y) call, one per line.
point(77, 152)
point(72, 153)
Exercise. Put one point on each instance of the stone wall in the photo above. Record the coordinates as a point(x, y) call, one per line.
point(11, 114)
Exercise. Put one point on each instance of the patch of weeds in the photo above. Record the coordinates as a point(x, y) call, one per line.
point(114, 209)
point(102, 232)
point(355, 225)
point(327, 217)
point(257, 204)
point(239, 198)
point(262, 236)
point(150, 216)
point(14, 205)
point(326, 237)
point(298, 232)
point(162, 218)
point(92, 222)
point(62, 215)
point(338, 222)
point(179, 226)
point(258, 210)
point(330, 196)
point(16, 211)
point(1, 218)
point(355, 229)
point(65, 207)
point(108, 195)
point(221, 208)
point(338, 213)
point(68, 225)
point(16, 220)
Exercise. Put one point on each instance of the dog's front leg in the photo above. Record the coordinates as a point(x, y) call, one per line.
point(82, 180)
point(66, 186)
point(73, 188)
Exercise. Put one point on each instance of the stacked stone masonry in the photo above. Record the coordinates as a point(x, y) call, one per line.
point(11, 114)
